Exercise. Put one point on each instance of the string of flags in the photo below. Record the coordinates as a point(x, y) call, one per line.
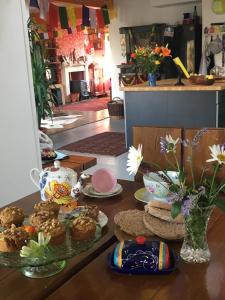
point(67, 16)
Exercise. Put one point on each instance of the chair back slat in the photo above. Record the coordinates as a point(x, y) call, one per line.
point(149, 137)
point(201, 152)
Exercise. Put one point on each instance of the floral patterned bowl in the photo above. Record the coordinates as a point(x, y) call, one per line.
point(156, 183)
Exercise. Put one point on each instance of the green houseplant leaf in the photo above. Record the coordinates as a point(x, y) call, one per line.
point(44, 98)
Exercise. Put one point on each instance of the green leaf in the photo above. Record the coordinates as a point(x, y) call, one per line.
point(220, 203)
point(176, 209)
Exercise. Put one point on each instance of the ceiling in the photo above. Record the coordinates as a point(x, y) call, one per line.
point(91, 3)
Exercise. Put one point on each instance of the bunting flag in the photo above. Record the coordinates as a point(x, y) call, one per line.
point(93, 21)
point(105, 14)
point(46, 36)
point(44, 7)
point(63, 18)
point(100, 19)
point(112, 10)
point(71, 16)
point(85, 16)
point(53, 16)
point(69, 30)
point(55, 34)
point(34, 3)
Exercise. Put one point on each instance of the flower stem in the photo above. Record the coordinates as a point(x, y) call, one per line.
point(213, 179)
point(192, 170)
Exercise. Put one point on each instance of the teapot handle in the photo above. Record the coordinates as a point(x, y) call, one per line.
point(34, 174)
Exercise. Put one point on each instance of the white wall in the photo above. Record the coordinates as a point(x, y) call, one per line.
point(135, 13)
point(18, 128)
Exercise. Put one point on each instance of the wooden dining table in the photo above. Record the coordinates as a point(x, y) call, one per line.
point(88, 276)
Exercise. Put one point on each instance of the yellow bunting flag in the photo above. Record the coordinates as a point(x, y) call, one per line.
point(112, 10)
point(71, 16)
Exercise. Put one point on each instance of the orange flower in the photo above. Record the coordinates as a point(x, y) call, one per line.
point(157, 50)
point(165, 52)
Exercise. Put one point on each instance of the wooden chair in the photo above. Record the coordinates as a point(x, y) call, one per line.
point(202, 152)
point(149, 137)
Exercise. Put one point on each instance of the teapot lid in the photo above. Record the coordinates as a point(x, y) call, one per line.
point(56, 168)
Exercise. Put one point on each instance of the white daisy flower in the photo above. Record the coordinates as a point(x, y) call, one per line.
point(217, 154)
point(134, 159)
point(170, 140)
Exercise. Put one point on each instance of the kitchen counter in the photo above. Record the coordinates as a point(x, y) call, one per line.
point(166, 105)
point(169, 85)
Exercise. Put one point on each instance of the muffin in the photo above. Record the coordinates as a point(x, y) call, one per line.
point(83, 228)
point(39, 217)
point(91, 211)
point(47, 206)
point(55, 229)
point(11, 215)
point(12, 239)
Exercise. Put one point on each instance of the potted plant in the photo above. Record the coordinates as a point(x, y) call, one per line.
point(44, 97)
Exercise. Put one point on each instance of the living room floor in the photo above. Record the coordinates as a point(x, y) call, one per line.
point(116, 164)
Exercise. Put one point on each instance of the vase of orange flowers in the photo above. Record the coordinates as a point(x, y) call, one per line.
point(149, 59)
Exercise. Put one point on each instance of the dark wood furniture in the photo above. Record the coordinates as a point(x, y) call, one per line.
point(76, 162)
point(201, 281)
point(87, 275)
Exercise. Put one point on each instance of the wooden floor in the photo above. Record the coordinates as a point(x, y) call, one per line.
point(116, 164)
point(84, 117)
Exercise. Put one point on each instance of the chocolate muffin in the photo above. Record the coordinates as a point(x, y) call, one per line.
point(11, 215)
point(47, 206)
point(12, 239)
point(39, 217)
point(55, 229)
point(83, 228)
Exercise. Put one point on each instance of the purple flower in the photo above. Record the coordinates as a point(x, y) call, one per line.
point(197, 137)
point(163, 145)
point(187, 205)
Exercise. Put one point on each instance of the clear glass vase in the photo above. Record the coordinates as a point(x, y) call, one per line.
point(195, 247)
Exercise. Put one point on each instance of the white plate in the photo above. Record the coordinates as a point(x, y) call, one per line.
point(89, 191)
point(94, 192)
point(144, 196)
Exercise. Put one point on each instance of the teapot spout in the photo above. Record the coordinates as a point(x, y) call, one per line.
point(79, 186)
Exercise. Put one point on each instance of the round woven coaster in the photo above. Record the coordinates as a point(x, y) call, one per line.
point(131, 222)
point(164, 214)
point(162, 228)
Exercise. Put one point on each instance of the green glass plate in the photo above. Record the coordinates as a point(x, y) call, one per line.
point(52, 254)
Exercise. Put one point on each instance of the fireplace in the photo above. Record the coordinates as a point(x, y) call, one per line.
point(74, 72)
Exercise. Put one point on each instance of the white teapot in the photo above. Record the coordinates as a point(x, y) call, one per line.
point(55, 183)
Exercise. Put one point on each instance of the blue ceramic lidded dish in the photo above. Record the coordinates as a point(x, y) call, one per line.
point(142, 257)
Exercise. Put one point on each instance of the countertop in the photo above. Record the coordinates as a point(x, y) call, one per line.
point(168, 85)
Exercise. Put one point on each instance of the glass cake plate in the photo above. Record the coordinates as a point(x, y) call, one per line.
point(53, 259)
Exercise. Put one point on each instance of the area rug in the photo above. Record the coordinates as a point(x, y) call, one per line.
point(87, 105)
point(106, 143)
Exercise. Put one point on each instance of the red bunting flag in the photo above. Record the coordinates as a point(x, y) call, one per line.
point(53, 16)
point(100, 19)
